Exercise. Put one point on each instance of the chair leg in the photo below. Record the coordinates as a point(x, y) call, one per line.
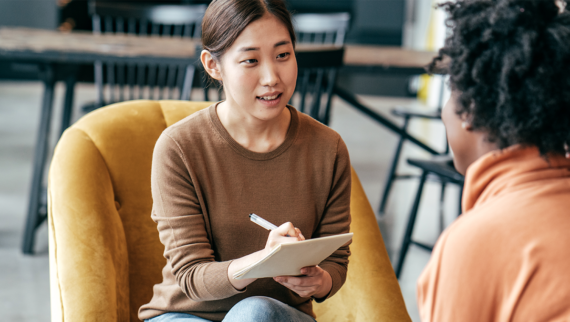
point(460, 200)
point(186, 91)
point(393, 168)
point(441, 207)
point(410, 226)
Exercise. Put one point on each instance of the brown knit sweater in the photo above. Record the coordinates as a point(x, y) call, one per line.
point(204, 185)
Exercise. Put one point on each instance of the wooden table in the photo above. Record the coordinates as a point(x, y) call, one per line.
point(58, 53)
point(363, 58)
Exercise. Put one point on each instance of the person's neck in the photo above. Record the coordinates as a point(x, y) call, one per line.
point(252, 133)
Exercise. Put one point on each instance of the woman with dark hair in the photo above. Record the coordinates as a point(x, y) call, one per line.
point(507, 257)
point(251, 153)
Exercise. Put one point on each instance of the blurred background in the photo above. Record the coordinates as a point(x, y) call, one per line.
point(407, 24)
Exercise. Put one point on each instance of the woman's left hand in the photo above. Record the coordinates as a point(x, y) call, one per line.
point(317, 282)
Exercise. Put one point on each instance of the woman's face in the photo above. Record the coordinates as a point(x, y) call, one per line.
point(259, 71)
point(460, 138)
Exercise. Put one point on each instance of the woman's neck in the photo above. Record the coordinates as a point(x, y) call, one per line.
point(253, 133)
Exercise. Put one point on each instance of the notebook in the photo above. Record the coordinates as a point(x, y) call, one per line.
point(287, 259)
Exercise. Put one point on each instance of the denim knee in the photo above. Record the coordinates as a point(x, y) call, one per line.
point(259, 306)
point(262, 309)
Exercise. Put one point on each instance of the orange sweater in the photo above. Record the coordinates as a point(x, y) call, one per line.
point(507, 258)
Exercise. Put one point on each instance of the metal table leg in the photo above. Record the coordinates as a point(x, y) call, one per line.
point(34, 219)
point(352, 100)
point(68, 103)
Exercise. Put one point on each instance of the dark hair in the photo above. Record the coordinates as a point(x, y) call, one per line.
point(226, 19)
point(509, 60)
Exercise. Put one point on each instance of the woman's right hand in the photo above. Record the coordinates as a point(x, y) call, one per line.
point(285, 233)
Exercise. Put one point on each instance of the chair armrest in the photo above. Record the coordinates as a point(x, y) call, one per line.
point(409, 113)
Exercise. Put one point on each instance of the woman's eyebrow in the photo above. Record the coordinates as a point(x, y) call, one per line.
point(281, 43)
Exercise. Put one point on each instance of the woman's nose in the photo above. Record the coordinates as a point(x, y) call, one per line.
point(269, 75)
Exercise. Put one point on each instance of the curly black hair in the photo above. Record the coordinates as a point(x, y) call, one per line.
point(509, 60)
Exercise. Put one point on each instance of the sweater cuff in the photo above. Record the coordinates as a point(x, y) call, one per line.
point(337, 279)
point(220, 287)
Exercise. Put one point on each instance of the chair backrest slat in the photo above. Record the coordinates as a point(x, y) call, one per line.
point(321, 23)
point(317, 74)
point(138, 81)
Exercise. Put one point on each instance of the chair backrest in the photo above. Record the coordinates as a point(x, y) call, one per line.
point(118, 82)
point(316, 78)
point(105, 253)
point(323, 28)
point(141, 19)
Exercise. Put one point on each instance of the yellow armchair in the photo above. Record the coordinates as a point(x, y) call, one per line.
point(105, 254)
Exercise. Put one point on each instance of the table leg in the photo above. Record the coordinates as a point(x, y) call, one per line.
point(68, 103)
point(34, 219)
point(349, 98)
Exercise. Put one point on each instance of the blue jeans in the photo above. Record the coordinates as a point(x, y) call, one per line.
point(255, 308)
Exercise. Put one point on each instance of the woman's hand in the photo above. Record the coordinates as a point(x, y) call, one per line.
point(276, 237)
point(285, 233)
point(317, 282)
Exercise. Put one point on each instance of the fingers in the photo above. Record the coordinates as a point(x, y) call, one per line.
point(303, 286)
point(288, 229)
point(311, 270)
point(299, 234)
point(297, 281)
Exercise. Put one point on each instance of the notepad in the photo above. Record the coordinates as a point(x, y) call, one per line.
point(287, 259)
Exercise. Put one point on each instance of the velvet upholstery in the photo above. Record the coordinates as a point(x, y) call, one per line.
point(105, 254)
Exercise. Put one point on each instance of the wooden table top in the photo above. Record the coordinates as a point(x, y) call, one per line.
point(384, 56)
point(30, 41)
point(85, 46)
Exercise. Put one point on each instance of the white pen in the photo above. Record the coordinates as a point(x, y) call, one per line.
point(262, 222)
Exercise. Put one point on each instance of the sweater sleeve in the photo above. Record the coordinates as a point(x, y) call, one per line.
point(182, 229)
point(336, 219)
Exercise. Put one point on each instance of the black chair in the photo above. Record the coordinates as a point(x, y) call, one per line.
point(125, 81)
point(407, 114)
point(118, 81)
point(321, 28)
point(442, 168)
point(317, 76)
point(318, 72)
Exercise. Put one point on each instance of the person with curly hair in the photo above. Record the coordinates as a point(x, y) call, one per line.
point(507, 258)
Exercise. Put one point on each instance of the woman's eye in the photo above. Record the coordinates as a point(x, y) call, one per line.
point(250, 61)
point(283, 55)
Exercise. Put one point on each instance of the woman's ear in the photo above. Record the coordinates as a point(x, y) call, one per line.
point(210, 64)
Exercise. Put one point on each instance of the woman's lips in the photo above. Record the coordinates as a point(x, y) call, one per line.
point(269, 100)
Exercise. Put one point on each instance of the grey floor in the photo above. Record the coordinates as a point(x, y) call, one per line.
point(24, 280)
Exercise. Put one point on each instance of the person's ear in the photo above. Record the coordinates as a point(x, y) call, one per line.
point(211, 65)
point(466, 126)
point(466, 122)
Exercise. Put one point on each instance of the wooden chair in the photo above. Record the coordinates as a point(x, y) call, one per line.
point(151, 80)
point(105, 253)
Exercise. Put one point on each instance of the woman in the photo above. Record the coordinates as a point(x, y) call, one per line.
point(507, 257)
point(248, 154)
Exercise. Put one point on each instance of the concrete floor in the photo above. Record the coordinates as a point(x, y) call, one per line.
point(24, 280)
